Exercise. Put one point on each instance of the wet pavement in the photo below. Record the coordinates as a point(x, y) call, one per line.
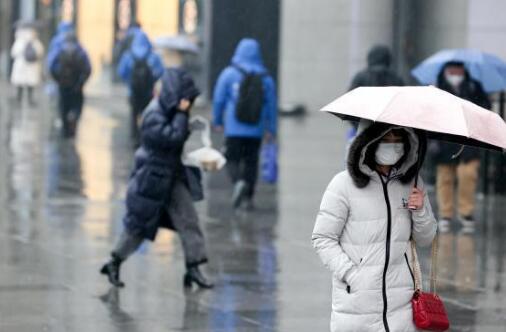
point(61, 204)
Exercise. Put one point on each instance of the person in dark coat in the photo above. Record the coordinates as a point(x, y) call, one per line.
point(455, 79)
point(158, 193)
point(71, 69)
point(378, 71)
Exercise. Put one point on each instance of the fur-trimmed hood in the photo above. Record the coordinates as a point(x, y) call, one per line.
point(368, 136)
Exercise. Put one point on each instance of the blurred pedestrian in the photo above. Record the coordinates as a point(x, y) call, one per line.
point(70, 69)
point(464, 168)
point(377, 73)
point(57, 41)
point(245, 108)
point(371, 206)
point(158, 194)
point(124, 43)
point(27, 52)
point(140, 67)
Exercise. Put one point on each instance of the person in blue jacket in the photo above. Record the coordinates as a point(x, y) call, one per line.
point(140, 67)
point(125, 42)
point(158, 193)
point(244, 136)
point(57, 41)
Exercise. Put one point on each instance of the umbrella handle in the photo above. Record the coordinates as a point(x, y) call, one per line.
point(456, 155)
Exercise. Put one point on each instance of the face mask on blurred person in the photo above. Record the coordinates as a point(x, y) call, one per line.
point(454, 80)
point(389, 154)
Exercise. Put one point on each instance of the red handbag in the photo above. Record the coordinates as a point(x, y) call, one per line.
point(429, 312)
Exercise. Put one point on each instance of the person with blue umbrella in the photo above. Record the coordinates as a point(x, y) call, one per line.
point(486, 68)
point(455, 78)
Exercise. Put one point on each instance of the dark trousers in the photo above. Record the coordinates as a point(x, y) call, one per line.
point(242, 155)
point(71, 106)
point(138, 102)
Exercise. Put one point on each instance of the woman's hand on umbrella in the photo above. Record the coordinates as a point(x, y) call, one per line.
point(415, 200)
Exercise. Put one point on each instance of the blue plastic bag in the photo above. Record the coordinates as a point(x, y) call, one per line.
point(269, 162)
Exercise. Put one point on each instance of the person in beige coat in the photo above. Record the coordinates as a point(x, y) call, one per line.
point(362, 233)
point(27, 53)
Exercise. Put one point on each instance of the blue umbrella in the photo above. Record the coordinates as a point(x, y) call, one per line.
point(486, 68)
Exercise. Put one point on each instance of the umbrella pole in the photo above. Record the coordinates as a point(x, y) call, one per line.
point(496, 161)
point(501, 104)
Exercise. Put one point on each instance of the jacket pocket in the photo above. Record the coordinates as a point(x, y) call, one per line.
point(358, 268)
point(410, 270)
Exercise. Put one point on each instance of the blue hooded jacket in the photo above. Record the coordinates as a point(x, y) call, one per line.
point(71, 44)
point(226, 92)
point(57, 42)
point(141, 48)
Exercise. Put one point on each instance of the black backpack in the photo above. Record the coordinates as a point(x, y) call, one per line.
point(251, 97)
point(142, 77)
point(70, 65)
point(30, 54)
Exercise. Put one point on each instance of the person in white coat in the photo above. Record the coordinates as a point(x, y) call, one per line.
point(27, 53)
point(367, 216)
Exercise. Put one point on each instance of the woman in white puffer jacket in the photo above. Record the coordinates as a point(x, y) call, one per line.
point(367, 216)
point(27, 53)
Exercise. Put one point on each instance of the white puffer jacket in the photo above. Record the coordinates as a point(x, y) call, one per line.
point(26, 73)
point(362, 235)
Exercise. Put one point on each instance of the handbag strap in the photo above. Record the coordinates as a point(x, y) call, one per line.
point(433, 268)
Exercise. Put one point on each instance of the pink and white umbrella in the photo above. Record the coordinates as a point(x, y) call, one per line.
point(437, 112)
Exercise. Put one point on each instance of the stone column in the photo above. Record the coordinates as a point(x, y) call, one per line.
point(324, 43)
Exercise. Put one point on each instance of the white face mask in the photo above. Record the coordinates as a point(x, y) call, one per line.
point(454, 80)
point(389, 154)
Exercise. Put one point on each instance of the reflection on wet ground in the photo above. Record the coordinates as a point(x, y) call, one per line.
point(61, 204)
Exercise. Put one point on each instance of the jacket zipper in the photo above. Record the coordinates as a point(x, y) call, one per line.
point(387, 252)
point(410, 270)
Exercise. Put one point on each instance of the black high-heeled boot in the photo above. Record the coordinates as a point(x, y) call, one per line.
point(111, 270)
point(194, 275)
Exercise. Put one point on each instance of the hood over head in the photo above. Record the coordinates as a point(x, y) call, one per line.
point(141, 46)
point(26, 33)
point(379, 55)
point(362, 152)
point(441, 80)
point(248, 55)
point(65, 27)
point(177, 84)
point(132, 31)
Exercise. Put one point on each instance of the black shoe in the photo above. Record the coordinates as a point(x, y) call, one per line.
point(194, 275)
point(238, 194)
point(111, 270)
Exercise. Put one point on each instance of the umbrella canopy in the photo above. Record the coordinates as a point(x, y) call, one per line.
point(439, 113)
point(486, 68)
point(177, 43)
